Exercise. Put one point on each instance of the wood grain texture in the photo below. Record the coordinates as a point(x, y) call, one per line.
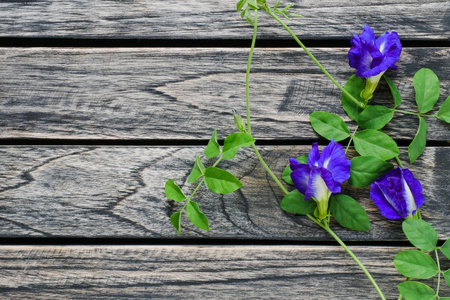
point(197, 272)
point(117, 192)
point(124, 93)
point(206, 19)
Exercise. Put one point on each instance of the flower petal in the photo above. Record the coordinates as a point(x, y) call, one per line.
point(380, 200)
point(354, 54)
point(333, 159)
point(294, 164)
point(317, 185)
point(415, 189)
point(313, 156)
point(369, 55)
point(367, 34)
point(300, 178)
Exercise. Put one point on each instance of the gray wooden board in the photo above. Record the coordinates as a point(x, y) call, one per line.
point(206, 19)
point(158, 93)
point(68, 191)
point(198, 272)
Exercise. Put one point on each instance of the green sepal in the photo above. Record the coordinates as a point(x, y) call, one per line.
point(196, 216)
point(418, 144)
point(354, 86)
point(394, 91)
point(421, 234)
point(235, 141)
point(371, 142)
point(349, 213)
point(329, 126)
point(220, 181)
point(426, 85)
point(213, 147)
point(365, 169)
point(175, 220)
point(444, 112)
point(173, 191)
point(445, 248)
point(286, 176)
point(295, 203)
point(412, 290)
point(415, 264)
point(197, 171)
point(375, 117)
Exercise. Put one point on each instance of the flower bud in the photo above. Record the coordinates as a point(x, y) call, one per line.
point(240, 125)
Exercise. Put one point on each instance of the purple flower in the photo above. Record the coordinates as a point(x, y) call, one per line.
point(397, 194)
point(372, 57)
point(322, 175)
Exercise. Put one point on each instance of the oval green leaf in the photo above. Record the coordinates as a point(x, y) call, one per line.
point(213, 148)
point(329, 126)
point(197, 171)
point(421, 234)
point(426, 85)
point(418, 144)
point(394, 91)
point(196, 216)
point(175, 220)
point(365, 169)
point(446, 248)
point(447, 277)
point(295, 203)
point(444, 111)
point(173, 191)
point(349, 213)
point(412, 290)
point(354, 86)
point(286, 176)
point(235, 141)
point(415, 264)
point(375, 117)
point(221, 181)
point(370, 142)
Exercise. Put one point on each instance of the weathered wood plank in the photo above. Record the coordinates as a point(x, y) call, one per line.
point(72, 191)
point(193, 19)
point(197, 272)
point(158, 93)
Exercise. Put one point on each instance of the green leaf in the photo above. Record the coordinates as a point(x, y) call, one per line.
point(349, 213)
point(421, 234)
point(173, 191)
point(175, 219)
point(213, 148)
point(240, 4)
point(412, 290)
point(221, 181)
point(446, 248)
point(286, 176)
point(447, 277)
point(375, 117)
point(252, 4)
point(419, 142)
point(235, 141)
point(354, 86)
point(329, 125)
point(197, 171)
point(365, 169)
point(370, 142)
point(426, 85)
point(196, 216)
point(444, 112)
point(415, 264)
point(295, 203)
point(394, 91)
point(248, 16)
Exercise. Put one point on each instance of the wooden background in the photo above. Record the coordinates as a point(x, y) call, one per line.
point(101, 102)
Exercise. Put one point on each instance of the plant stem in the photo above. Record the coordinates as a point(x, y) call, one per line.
point(269, 170)
point(351, 139)
point(413, 113)
point(247, 74)
point(439, 274)
point(312, 57)
point(399, 162)
point(331, 232)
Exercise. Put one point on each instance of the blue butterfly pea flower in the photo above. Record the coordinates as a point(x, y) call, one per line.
point(372, 57)
point(322, 175)
point(397, 194)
